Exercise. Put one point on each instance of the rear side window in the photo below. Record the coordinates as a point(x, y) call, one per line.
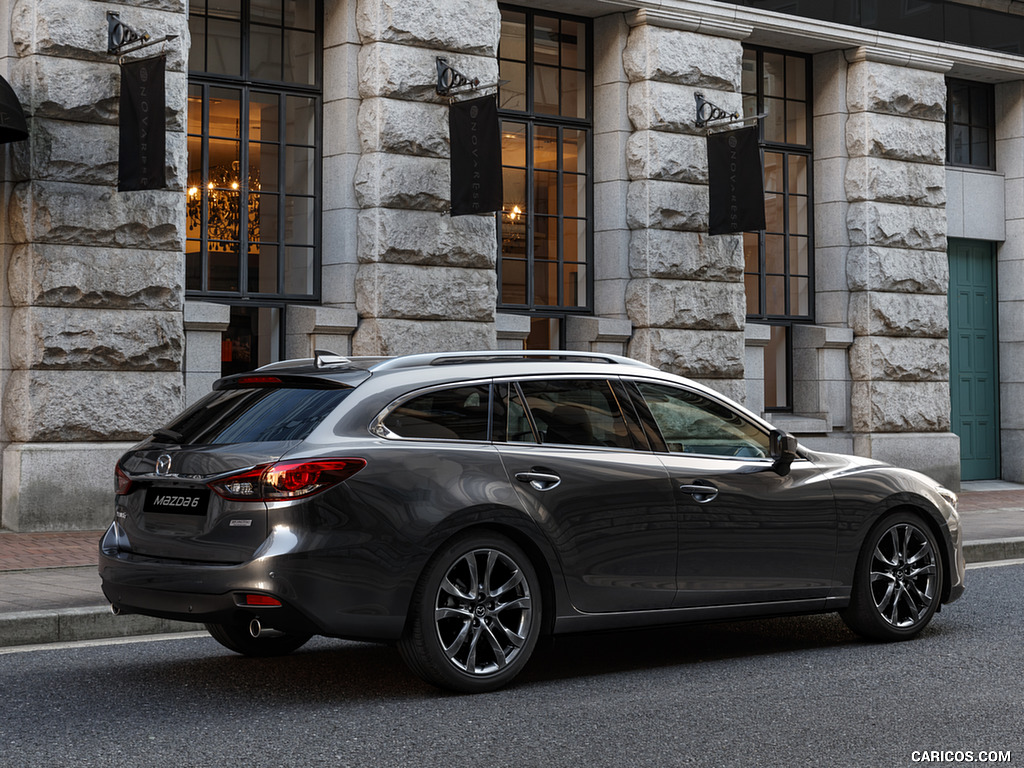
point(459, 413)
point(256, 415)
point(570, 412)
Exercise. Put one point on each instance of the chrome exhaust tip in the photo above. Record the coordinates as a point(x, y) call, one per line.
point(116, 610)
point(255, 628)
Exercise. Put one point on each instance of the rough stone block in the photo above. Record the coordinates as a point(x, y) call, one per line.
point(106, 406)
point(467, 26)
point(693, 304)
point(78, 276)
point(900, 406)
point(66, 89)
point(667, 157)
point(404, 72)
point(936, 454)
point(384, 180)
point(667, 205)
point(881, 358)
point(696, 354)
point(896, 138)
point(385, 336)
point(427, 238)
point(896, 270)
point(671, 107)
point(899, 314)
point(403, 127)
point(685, 255)
point(894, 181)
point(426, 293)
point(896, 226)
point(895, 90)
point(83, 214)
point(96, 339)
point(685, 58)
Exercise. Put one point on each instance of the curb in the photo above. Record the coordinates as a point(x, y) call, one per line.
point(994, 549)
point(73, 624)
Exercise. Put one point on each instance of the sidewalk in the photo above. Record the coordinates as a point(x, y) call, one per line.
point(50, 589)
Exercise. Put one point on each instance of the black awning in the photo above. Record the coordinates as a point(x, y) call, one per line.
point(12, 118)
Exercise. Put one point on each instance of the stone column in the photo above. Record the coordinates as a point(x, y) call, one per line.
point(897, 267)
point(425, 281)
point(685, 296)
point(95, 334)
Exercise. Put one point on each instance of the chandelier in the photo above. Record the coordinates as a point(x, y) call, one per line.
point(222, 197)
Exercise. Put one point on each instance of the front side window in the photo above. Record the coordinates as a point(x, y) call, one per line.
point(692, 423)
point(970, 124)
point(254, 128)
point(779, 263)
point(545, 226)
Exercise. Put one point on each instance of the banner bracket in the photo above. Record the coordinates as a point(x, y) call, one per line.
point(121, 37)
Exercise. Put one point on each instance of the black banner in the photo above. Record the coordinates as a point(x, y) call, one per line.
point(476, 156)
point(735, 182)
point(142, 151)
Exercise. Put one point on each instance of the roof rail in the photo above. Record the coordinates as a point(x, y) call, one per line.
point(502, 355)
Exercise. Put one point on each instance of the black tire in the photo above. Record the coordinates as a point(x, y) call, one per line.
point(475, 615)
point(897, 586)
point(237, 638)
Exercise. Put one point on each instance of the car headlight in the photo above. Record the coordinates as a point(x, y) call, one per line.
point(948, 495)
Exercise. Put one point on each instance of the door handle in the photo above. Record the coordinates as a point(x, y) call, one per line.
point(540, 481)
point(702, 494)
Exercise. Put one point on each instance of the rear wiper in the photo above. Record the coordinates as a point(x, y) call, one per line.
point(167, 435)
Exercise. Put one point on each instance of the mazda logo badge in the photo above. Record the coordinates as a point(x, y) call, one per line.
point(163, 464)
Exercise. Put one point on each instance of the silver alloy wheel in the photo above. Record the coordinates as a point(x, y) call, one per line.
point(904, 575)
point(483, 612)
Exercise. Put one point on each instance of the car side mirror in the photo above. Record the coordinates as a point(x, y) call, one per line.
point(784, 451)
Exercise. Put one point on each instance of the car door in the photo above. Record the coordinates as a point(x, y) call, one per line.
point(607, 508)
point(747, 534)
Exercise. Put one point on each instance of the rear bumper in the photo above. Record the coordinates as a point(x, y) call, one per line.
point(312, 594)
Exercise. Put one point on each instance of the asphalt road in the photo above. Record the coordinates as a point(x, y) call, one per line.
point(787, 692)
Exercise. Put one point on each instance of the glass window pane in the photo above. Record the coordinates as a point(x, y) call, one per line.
point(960, 150)
point(574, 196)
point(266, 11)
point(450, 414)
point(513, 144)
point(775, 295)
point(545, 40)
point(773, 78)
point(513, 36)
point(300, 14)
point(300, 168)
point(574, 44)
point(513, 281)
point(749, 106)
point(574, 94)
point(263, 268)
point(751, 256)
point(575, 285)
point(797, 174)
point(300, 120)
point(796, 78)
point(512, 95)
point(545, 147)
point(514, 191)
point(979, 146)
point(576, 413)
point(224, 163)
point(223, 222)
point(224, 9)
point(979, 105)
point(959, 103)
point(225, 112)
point(775, 121)
point(796, 122)
point(265, 52)
point(193, 265)
point(545, 192)
point(545, 237)
point(298, 220)
point(197, 49)
point(773, 167)
point(752, 286)
point(749, 83)
point(263, 167)
point(513, 233)
point(222, 260)
point(545, 90)
point(224, 47)
point(574, 151)
point(775, 254)
point(774, 213)
point(298, 271)
point(263, 208)
point(799, 256)
point(799, 300)
point(545, 283)
point(799, 213)
point(299, 57)
point(575, 236)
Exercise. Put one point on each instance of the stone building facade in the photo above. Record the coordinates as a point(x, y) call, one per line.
point(115, 312)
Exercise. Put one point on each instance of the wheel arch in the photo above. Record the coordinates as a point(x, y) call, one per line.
point(930, 518)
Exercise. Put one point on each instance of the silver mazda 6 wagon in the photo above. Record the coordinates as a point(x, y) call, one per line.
point(463, 505)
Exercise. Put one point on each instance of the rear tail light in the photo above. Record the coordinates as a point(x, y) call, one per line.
point(286, 479)
point(122, 483)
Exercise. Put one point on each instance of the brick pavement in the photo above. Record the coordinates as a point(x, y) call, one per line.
point(22, 551)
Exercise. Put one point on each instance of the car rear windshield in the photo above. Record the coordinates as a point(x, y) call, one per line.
point(256, 415)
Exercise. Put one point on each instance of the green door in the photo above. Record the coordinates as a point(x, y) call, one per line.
point(973, 375)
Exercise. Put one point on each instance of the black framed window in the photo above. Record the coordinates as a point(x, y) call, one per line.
point(779, 260)
point(546, 224)
point(970, 124)
point(254, 165)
